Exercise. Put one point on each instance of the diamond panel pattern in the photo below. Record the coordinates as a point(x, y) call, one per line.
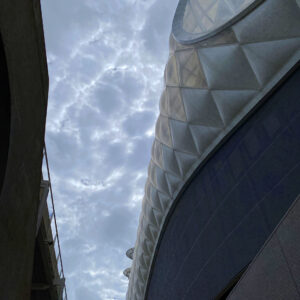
point(176, 109)
point(200, 108)
point(261, 54)
point(230, 103)
point(202, 16)
point(190, 70)
point(210, 87)
point(171, 76)
point(222, 73)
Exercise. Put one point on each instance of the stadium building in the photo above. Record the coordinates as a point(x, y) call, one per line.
point(221, 212)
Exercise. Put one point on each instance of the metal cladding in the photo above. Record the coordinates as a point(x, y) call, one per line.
point(196, 20)
point(210, 86)
point(231, 205)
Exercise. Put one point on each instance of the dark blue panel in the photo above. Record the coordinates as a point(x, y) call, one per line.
point(233, 203)
point(221, 259)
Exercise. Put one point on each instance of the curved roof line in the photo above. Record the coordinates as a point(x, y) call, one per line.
point(184, 37)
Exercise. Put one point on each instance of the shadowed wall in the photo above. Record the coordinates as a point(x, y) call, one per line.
point(232, 204)
point(23, 44)
point(4, 113)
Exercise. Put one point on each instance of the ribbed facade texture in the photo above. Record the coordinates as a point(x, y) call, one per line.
point(216, 77)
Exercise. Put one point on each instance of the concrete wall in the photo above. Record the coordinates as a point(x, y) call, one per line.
point(22, 35)
point(4, 113)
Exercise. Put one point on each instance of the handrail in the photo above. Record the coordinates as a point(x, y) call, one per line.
point(54, 217)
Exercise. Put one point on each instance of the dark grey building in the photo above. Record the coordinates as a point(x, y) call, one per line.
point(28, 262)
point(220, 217)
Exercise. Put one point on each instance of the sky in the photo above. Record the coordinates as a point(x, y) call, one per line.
point(106, 60)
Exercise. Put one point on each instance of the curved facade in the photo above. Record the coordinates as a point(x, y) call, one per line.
point(211, 89)
point(196, 20)
point(232, 204)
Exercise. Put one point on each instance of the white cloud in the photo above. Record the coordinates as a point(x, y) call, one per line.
point(106, 61)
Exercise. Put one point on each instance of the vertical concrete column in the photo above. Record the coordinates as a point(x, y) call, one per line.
point(22, 34)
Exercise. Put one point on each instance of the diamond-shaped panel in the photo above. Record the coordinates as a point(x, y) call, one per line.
point(203, 136)
point(163, 131)
point(163, 104)
point(222, 73)
point(157, 154)
point(200, 108)
point(175, 105)
point(190, 70)
point(237, 67)
point(273, 20)
point(230, 103)
point(171, 75)
point(267, 57)
point(162, 184)
point(185, 161)
point(182, 138)
point(170, 162)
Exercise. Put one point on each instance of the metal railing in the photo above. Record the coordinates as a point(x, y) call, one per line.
point(56, 237)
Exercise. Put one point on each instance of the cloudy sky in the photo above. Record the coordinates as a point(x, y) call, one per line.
point(106, 60)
